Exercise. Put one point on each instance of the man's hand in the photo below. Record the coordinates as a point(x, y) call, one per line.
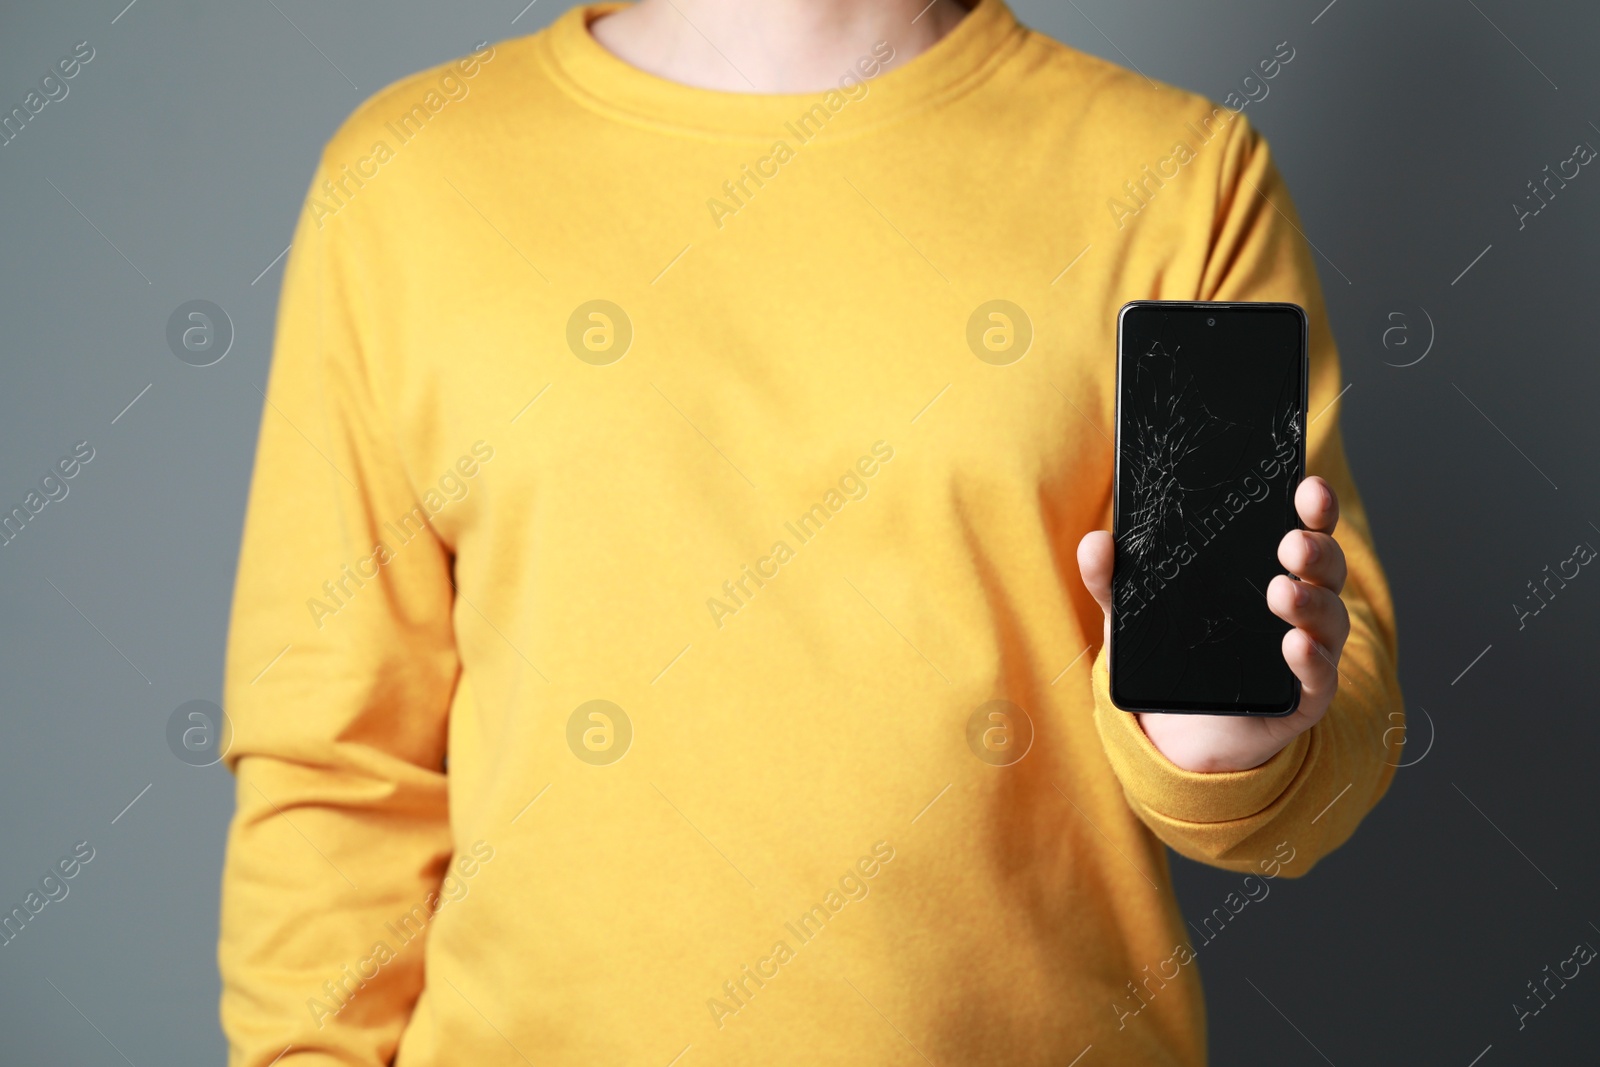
point(1311, 605)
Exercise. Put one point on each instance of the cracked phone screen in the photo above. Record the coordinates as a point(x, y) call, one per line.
point(1210, 426)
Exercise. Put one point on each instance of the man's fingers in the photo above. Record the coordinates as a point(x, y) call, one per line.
point(1317, 505)
point(1096, 553)
point(1319, 677)
point(1313, 557)
point(1317, 611)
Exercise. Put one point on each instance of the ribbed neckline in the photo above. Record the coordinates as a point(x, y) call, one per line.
point(952, 66)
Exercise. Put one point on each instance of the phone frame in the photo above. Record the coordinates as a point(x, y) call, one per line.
point(1201, 707)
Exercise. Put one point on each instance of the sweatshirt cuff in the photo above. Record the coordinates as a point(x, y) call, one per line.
point(1155, 783)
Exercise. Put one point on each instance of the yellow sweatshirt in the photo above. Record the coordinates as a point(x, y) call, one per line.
point(658, 638)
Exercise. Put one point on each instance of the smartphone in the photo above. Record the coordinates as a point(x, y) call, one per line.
point(1211, 415)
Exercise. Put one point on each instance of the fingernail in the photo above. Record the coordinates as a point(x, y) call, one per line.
point(1300, 594)
point(1313, 550)
point(1327, 497)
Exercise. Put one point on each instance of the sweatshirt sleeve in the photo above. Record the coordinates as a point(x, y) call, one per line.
point(1312, 794)
point(340, 669)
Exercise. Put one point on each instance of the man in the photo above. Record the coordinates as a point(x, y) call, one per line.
point(656, 637)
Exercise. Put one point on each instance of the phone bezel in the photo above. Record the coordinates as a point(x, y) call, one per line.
point(1199, 307)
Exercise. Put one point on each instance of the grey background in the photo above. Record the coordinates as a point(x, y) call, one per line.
point(1405, 133)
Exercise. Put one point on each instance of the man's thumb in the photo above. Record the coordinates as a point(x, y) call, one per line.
point(1095, 555)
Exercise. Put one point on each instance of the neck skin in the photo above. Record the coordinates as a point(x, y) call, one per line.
point(776, 46)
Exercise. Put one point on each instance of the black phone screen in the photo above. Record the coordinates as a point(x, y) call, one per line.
point(1210, 450)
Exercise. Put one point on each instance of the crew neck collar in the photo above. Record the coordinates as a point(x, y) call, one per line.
point(951, 66)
